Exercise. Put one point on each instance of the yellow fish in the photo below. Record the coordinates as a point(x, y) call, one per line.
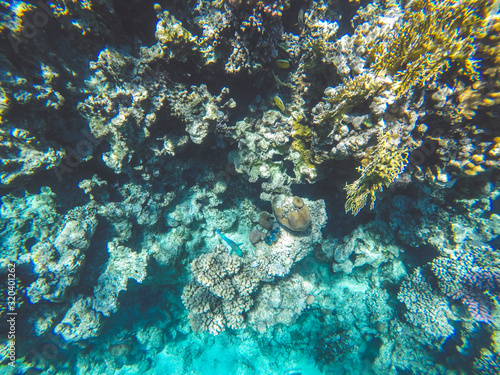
point(279, 103)
point(283, 64)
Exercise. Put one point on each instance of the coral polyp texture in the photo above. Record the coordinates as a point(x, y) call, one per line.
point(250, 187)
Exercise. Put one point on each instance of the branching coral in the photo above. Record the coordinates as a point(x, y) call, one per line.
point(471, 275)
point(220, 292)
point(380, 168)
point(426, 309)
point(343, 98)
point(486, 92)
point(428, 38)
point(23, 155)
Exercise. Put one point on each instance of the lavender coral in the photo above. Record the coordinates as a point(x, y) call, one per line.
point(471, 275)
point(426, 309)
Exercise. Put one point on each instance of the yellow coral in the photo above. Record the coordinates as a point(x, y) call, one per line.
point(384, 164)
point(301, 143)
point(429, 36)
point(348, 95)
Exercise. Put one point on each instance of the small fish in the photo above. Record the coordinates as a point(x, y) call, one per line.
point(279, 103)
point(283, 64)
point(233, 245)
point(301, 17)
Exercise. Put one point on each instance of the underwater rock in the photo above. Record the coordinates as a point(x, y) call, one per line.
point(372, 244)
point(81, 322)
point(58, 260)
point(223, 285)
point(24, 155)
point(281, 303)
point(123, 264)
point(266, 220)
point(255, 236)
point(199, 110)
point(30, 216)
point(263, 146)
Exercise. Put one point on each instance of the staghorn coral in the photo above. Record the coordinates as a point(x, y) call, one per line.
point(381, 167)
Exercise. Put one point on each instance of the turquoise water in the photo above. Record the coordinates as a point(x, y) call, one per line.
point(249, 187)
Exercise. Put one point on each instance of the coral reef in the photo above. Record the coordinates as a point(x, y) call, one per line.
point(23, 156)
point(199, 110)
point(59, 258)
point(279, 304)
point(426, 309)
point(472, 275)
point(383, 165)
point(221, 293)
point(293, 215)
point(222, 287)
point(22, 218)
point(371, 244)
point(223, 151)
